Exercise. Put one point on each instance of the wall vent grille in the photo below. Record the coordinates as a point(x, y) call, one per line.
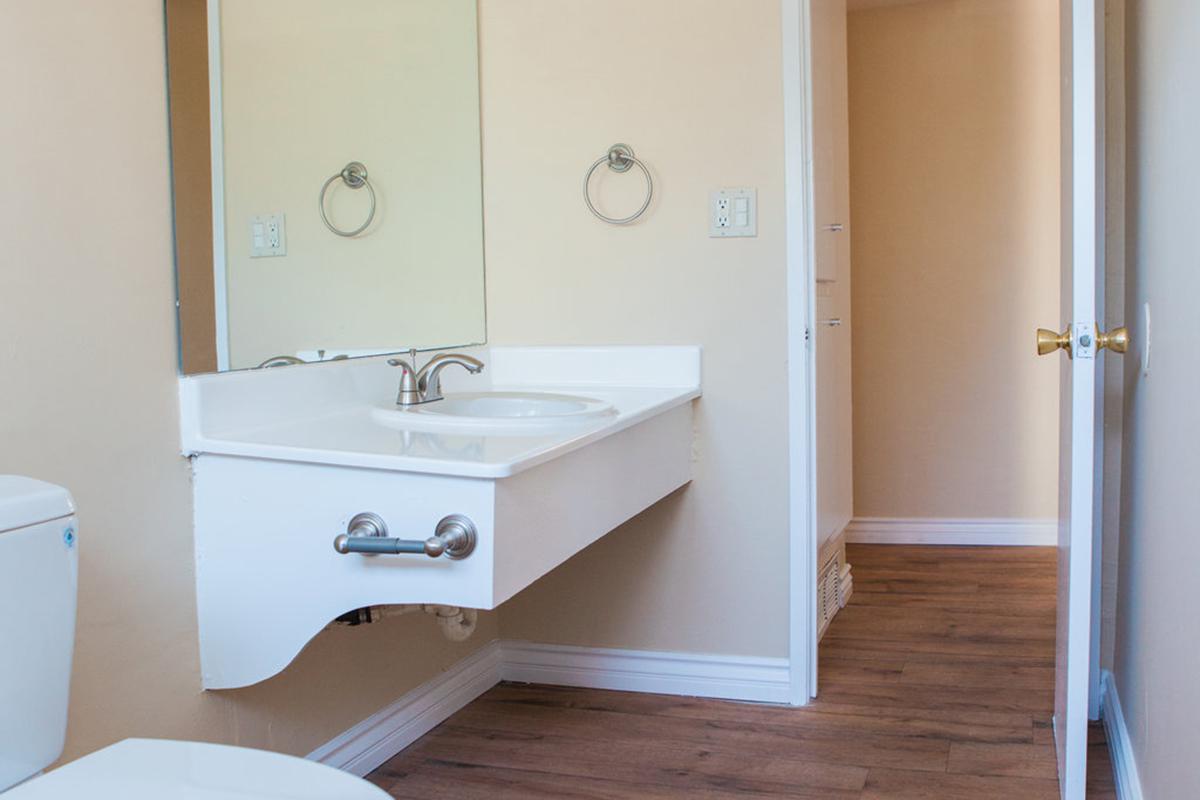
point(833, 591)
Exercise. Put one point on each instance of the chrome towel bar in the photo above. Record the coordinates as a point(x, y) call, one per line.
point(367, 533)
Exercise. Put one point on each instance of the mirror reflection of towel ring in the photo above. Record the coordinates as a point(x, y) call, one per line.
point(353, 175)
point(620, 158)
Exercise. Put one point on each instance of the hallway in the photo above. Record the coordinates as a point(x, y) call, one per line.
point(936, 682)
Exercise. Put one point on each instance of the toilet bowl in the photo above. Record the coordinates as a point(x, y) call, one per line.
point(155, 769)
point(38, 577)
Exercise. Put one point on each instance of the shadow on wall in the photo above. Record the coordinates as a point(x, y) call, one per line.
point(643, 546)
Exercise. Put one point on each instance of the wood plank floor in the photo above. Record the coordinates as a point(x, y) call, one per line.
point(936, 682)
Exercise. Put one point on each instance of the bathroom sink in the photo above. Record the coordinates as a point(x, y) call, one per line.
point(516, 413)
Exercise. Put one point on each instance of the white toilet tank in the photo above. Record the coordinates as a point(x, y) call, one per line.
point(38, 580)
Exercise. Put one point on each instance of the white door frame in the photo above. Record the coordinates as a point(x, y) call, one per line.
point(1080, 516)
point(802, 507)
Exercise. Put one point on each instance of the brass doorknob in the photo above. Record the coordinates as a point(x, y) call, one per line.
point(1049, 341)
point(1116, 340)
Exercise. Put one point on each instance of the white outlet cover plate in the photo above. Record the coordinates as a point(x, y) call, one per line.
point(268, 236)
point(733, 213)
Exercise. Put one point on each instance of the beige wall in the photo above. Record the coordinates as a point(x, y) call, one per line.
point(1158, 631)
point(89, 374)
point(954, 199)
point(697, 92)
point(394, 85)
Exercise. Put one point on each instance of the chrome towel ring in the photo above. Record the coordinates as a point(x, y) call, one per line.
point(353, 175)
point(620, 158)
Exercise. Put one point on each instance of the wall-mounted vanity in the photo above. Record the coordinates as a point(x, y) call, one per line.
point(285, 459)
point(328, 209)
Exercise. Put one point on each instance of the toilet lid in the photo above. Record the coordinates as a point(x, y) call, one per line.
point(154, 769)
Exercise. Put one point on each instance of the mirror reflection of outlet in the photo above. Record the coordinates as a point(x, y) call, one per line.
point(733, 212)
point(268, 236)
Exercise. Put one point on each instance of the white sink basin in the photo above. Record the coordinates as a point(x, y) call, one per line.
point(497, 413)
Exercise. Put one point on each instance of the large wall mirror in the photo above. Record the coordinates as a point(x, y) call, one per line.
point(327, 178)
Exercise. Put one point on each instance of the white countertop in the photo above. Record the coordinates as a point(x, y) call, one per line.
point(352, 438)
point(322, 413)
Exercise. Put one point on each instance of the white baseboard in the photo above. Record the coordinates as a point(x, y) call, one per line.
point(376, 739)
point(382, 735)
point(945, 531)
point(1129, 785)
point(371, 743)
point(726, 677)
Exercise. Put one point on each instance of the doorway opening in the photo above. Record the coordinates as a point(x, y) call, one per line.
point(937, 181)
point(944, 155)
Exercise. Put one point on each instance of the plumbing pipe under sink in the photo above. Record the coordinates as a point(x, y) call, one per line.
point(457, 624)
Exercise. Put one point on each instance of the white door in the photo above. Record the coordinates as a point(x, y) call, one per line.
point(1082, 343)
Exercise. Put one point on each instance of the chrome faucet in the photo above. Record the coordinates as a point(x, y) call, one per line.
point(280, 361)
point(425, 385)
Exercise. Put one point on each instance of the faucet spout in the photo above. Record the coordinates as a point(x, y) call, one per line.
point(429, 379)
point(425, 385)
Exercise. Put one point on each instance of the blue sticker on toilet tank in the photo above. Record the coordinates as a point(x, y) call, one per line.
point(69, 537)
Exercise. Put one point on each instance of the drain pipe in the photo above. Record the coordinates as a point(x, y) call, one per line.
point(457, 624)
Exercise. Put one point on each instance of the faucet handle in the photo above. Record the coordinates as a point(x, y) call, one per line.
point(409, 364)
point(409, 394)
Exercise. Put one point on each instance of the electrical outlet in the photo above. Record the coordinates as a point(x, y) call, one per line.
point(733, 212)
point(268, 236)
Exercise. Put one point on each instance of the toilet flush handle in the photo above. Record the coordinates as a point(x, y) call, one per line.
point(367, 534)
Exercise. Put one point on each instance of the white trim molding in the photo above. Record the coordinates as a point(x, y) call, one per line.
point(1129, 785)
point(764, 680)
point(795, 16)
point(947, 531)
point(376, 739)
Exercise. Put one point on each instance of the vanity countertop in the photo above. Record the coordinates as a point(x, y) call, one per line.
point(322, 414)
point(352, 438)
